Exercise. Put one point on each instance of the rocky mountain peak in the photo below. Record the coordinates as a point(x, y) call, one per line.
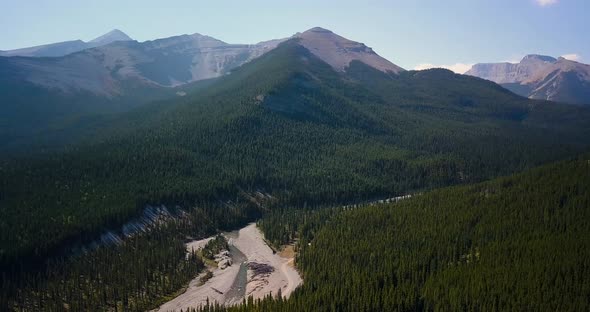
point(537, 57)
point(541, 77)
point(319, 30)
point(339, 51)
point(111, 36)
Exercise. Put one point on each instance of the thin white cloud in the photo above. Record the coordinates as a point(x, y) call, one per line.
point(544, 3)
point(458, 68)
point(572, 57)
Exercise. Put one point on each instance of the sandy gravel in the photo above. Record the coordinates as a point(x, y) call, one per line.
point(250, 241)
point(224, 284)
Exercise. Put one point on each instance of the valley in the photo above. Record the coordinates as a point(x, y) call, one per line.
point(303, 171)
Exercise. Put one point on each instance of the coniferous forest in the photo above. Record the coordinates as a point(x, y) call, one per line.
point(136, 275)
point(518, 243)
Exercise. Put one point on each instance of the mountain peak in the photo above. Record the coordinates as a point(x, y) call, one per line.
point(537, 57)
point(67, 47)
point(540, 77)
point(319, 30)
point(338, 51)
point(111, 36)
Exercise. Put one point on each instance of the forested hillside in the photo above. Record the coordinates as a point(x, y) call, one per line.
point(286, 123)
point(136, 274)
point(35, 119)
point(518, 243)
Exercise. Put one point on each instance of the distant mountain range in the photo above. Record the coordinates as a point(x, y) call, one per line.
point(113, 74)
point(170, 62)
point(165, 62)
point(105, 66)
point(339, 52)
point(540, 77)
point(68, 47)
point(119, 74)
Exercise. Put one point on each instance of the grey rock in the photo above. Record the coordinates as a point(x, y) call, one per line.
point(540, 77)
point(105, 70)
point(339, 51)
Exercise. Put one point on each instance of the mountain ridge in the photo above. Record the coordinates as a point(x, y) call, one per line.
point(42, 92)
point(63, 48)
point(111, 36)
point(339, 51)
point(540, 77)
point(178, 60)
point(119, 76)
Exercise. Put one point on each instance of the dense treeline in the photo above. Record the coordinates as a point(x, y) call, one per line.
point(214, 246)
point(296, 226)
point(518, 243)
point(137, 275)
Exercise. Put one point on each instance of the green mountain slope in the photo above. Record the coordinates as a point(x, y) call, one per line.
point(34, 118)
point(286, 123)
point(518, 243)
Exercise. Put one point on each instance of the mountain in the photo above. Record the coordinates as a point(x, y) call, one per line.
point(67, 47)
point(165, 62)
point(290, 124)
point(39, 94)
point(540, 77)
point(112, 36)
point(174, 61)
point(115, 77)
point(339, 52)
point(448, 249)
point(48, 50)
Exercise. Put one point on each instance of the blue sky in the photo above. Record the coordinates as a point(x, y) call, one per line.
point(410, 33)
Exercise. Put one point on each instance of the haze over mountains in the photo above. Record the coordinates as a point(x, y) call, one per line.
point(107, 65)
point(172, 61)
point(540, 77)
point(68, 47)
point(165, 62)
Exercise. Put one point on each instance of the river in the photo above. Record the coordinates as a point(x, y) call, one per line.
point(236, 282)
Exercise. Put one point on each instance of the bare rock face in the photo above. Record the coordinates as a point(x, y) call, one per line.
point(526, 70)
point(106, 70)
point(339, 51)
point(223, 259)
point(224, 263)
point(116, 63)
point(183, 59)
point(540, 77)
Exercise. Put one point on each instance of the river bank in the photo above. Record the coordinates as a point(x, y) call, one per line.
point(255, 271)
